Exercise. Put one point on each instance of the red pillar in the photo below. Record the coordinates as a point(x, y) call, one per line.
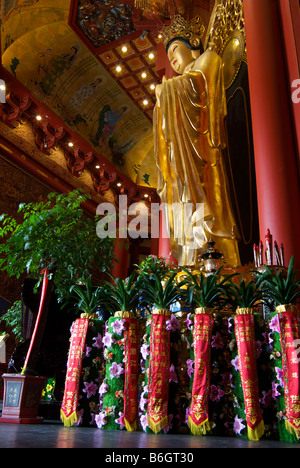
point(120, 268)
point(274, 145)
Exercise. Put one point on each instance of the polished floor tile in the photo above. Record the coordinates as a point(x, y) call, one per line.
point(55, 435)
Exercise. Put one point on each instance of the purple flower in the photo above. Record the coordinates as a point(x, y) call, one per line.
point(275, 392)
point(118, 326)
point(217, 341)
point(279, 375)
point(120, 420)
point(238, 426)
point(235, 363)
point(274, 324)
point(216, 393)
point(107, 340)
point(173, 375)
point(143, 402)
point(144, 422)
point(103, 388)
point(116, 370)
point(190, 369)
point(90, 389)
point(188, 321)
point(173, 324)
point(98, 342)
point(87, 352)
point(145, 350)
point(79, 417)
point(100, 420)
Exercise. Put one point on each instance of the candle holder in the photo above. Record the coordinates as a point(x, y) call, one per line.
point(211, 258)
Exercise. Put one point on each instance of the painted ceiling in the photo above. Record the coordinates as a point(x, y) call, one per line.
point(66, 53)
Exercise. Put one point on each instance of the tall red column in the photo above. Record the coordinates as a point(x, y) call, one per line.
point(274, 145)
point(121, 251)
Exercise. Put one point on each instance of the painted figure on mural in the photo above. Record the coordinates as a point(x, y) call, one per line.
point(189, 138)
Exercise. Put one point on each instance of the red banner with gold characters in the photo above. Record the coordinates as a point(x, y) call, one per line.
point(131, 337)
point(198, 415)
point(289, 334)
point(159, 371)
point(68, 411)
point(246, 343)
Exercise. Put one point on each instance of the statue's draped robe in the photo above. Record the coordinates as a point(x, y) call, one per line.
point(189, 137)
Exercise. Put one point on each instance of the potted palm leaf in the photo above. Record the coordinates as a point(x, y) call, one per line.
point(122, 353)
point(244, 297)
point(283, 289)
point(205, 294)
point(280, 286)
point(88, 299)
point(160, 291)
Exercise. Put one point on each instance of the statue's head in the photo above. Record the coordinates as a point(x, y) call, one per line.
point(183, 41)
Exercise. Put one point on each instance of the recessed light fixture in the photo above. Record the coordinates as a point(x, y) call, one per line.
point(145, 102)
point(124, 49)
point(39, 117)
point(119, 184)
point(152, 86)
point(97, 167)
point(118, 68)
point(151, 55)
point(70, 144)
point(144, 75)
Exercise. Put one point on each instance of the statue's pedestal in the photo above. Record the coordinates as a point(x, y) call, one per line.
point(22, 396)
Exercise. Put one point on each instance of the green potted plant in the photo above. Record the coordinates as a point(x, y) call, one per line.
point(57, 244)
point(281, 286)
point(122, 296)
point(86, 298)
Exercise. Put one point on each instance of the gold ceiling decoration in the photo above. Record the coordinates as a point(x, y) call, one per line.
point(165, 8)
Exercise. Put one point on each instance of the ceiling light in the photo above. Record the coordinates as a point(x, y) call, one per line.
point(152, 86)
point(119, 184)
point(146, 195)
point(151, 55)
point(124, 49)
point(118, 68)
point(38, 117)
point(97, 167)
point(144, 75)
point(70, 144)
point(145, 102)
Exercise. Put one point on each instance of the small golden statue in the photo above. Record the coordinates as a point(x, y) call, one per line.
point(189, 137)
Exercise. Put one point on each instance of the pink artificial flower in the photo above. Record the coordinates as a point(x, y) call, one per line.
point(190, 369)
point(217, 341)
point(118, 326)
point(187, 413)
point(274, 324)
point(173, 324)
point(275, 392)
point(188, 321)
point(116, 370)
point(173, 375)
point(267, 399)
point(144, 423)
point(145, 350)
point(143, 402)
point(238, 426)
point(279, 375)
point(235, 363)
point(98, 341)
point(108, 340)
point(90, 389)
point(103, 388)
point(120, 420)
point(100, 420)
point(216, 393)
point(87, 351)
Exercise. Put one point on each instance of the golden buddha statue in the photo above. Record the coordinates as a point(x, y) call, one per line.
point(189, 137)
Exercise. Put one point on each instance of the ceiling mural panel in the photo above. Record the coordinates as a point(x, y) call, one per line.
point(45, 54)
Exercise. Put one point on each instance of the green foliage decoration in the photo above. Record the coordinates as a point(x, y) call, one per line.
point(55, 234)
